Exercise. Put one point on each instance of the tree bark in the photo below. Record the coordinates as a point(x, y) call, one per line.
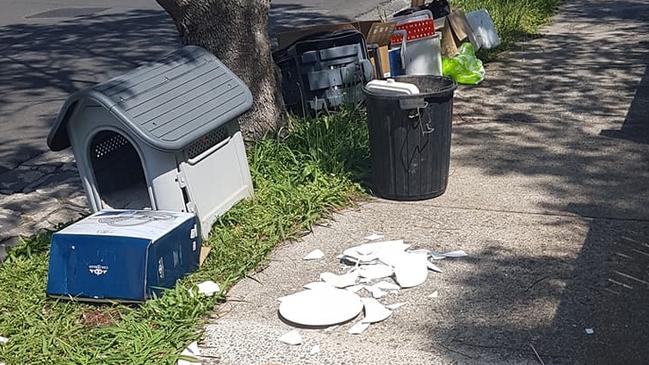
point(235, 31)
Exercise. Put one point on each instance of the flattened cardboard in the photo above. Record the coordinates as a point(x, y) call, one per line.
point(461, 28)
point(205, 250)
point(449, 42)
point(379, 33)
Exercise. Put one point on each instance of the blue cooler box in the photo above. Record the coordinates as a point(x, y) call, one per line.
point(122, 255)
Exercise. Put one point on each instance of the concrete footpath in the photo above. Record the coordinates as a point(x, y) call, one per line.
point(549, 196)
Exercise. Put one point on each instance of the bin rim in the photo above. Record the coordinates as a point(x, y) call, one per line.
point(443, 92)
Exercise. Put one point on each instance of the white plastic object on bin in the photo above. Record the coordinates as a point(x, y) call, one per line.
point(483, 26)
point(390, 86)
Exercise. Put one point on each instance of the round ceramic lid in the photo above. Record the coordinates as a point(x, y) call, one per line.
point(321, 307)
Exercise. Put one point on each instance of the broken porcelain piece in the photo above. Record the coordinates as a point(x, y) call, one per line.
point(374, 237)
point(436, 255)
point(318, 285)
point(590, 331)
point(340, 281)
point(420, 251)
point(376, 292)
point(374, 311)
point(314, 255)
point(320, 307)
point(355, 288)
point(433, 267)
point(358, 328)
point(375, 271)
point(315, 349)
point(3, 340)
point(384, 285)
point(395, 305)
point(191, 351)
point(207, 288)
point(434, 294)
point(292, 338)
point(375, 247)
point(410, 270)
point(454, 254)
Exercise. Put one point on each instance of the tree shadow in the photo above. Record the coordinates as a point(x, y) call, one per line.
point(539, 123)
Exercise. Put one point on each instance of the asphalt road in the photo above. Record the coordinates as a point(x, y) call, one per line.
point(49, 49)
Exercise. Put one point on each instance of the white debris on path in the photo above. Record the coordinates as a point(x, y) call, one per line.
point(315, 349)
point(590, 331)
point(358, 328)
point(333, 300)
point(396, 305)
point(292, 338)
point(191, 351)
point(374, 311)
point(314, 255)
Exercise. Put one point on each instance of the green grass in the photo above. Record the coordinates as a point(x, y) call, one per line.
point(514, 19)
point(299, 179)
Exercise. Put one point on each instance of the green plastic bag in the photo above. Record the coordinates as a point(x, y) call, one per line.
point(465, 68)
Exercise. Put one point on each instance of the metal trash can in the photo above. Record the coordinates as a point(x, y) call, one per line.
point(410, 138)
point(164, 136)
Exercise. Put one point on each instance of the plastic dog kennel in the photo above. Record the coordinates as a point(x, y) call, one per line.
point(164, 136)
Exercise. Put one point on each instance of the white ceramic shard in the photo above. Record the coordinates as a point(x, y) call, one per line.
point(318, 285)
point(458, 253)
point(315, 349)
point(321, 307)
point(395, 305)
point(374, 237)
point(433, 267)
point(421, 251)
point(590, 331)
point(191, 351)
point(292, 338)
point(314, 255)
point(386, 285)
point(375, 271)
point(375, 247)
point(339, 281)
point(354, 257)
point(376, 292)
point(410, 270)
point(374, 311)
point(436, 256)
point(355, 288)
point(434, 294)
point(3, 340)
point(358, 328)
point(332, 328)
point(207, 288)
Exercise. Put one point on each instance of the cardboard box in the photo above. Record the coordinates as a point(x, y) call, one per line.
point(122, 255)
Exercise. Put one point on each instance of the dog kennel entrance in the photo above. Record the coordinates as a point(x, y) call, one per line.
point(118, 172)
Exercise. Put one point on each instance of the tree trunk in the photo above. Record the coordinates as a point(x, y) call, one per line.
point(236, 32)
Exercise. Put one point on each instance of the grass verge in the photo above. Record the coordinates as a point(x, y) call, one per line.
point(298, 179)
point(514, 19)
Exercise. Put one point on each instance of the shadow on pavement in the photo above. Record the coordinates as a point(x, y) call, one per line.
point(546, 114)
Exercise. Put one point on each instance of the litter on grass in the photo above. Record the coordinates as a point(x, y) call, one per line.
point(314, 255)
point(292, 338)
point(207, 288)
point(192, 352)
point(3, 340)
